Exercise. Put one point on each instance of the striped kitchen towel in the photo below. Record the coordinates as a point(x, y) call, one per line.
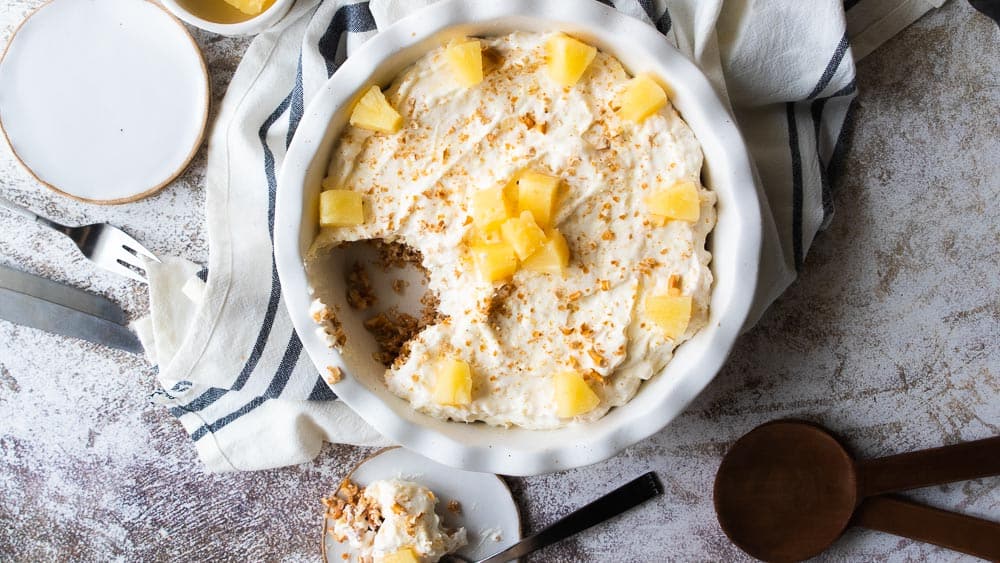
point(232, 368)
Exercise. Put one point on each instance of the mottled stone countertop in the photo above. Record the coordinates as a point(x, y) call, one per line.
point(891, 337)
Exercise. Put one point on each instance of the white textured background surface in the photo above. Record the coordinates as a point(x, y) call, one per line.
point(891, 337)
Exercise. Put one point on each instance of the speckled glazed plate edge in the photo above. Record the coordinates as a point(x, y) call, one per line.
point(104, 101)
point(488, 511)
point(735, 242)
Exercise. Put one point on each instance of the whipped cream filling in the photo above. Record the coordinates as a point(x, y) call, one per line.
point(408, 521)
point(417, 185)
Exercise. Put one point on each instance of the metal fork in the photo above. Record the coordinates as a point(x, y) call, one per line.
point(629, 495)
point(105, 245)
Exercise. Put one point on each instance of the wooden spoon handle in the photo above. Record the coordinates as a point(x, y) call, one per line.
point(901, 517)
point(969, 460)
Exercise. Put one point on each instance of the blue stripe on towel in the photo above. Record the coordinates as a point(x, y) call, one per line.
point(212, 395)
point(292, 352)
point(793, 143)
point(816, 110)
point(297, 106)
point(817, 116)
point(355, 18)
point(835, 166)
point(200, 402)
point(322, 391)
point(661, 21)
point(275, 295)
point(831, 67)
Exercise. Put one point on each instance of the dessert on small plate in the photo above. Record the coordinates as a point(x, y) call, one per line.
point(382, 512)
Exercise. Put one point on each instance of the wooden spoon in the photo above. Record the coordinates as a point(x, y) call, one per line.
point(788, 489)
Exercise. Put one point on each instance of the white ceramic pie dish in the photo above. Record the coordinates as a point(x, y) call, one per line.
point(735, 242)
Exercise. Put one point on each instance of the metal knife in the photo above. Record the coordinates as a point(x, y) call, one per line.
point(60, 309)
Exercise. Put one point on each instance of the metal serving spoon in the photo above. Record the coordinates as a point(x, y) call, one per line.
point(623, 498)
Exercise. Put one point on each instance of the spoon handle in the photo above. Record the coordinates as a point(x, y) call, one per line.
point(629, 495)
point(969, 460)
point(959, 532)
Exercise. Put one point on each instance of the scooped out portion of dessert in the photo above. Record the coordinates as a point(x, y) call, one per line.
point(390, 521)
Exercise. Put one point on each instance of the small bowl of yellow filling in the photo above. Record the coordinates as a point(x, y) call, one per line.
point(230, 17)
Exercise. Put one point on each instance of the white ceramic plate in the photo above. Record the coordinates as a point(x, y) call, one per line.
point(489, 514)
point(735, 242)
point(106, 100)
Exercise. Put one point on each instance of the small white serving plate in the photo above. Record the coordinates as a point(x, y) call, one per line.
point(489, 514)
point(104, 101)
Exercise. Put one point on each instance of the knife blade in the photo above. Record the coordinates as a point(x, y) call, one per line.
point(61, 294)
point(36, 312)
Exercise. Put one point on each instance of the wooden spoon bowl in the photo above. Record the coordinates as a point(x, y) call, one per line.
point(788, 489)
point(785, 491)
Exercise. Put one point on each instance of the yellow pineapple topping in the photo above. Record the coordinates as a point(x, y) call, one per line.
point(340, 208)
point(374, 113)
point(679, 202)
point(522, 234)
point(495, 261)
point(250, 7)
point(453, 383)
point(640, 98)
point(567, 59)
point(490, 207)
point(405, 555)
point(465, 58)
point(513, 226)
point(670, 312)
point(552, 257)
point(573, 395)
point(536, 193)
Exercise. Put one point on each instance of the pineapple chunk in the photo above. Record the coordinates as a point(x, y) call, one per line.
point(494, 261)
point(552, 257)
point(374, 113)
point(522, 234)
point(250, 7)
point(405, 555)
point(573, 395)
point(453, 383)
point(466, 61)
point(567, 58)
point(536, 192)
point(340, 208)
point(641, 97)
point(671, 313)
point(680, 202)
point(490, 207)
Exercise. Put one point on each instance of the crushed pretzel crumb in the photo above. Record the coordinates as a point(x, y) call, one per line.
point(334, 374)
